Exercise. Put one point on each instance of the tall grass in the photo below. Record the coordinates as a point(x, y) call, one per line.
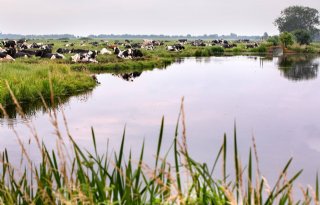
point(28, 80)
point(77, 176)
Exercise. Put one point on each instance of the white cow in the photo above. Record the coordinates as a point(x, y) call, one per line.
point(105, 51)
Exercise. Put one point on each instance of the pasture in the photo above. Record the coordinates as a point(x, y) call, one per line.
point(29, 76)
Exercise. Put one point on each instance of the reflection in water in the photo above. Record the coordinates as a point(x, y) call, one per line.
point(281, 114)
point(128, 76)
point(302, 67)
point(31, 109)
point(293, 67)
point(179, 60)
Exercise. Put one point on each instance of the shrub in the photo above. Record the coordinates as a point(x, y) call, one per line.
point(274, 40)
point(286, 39)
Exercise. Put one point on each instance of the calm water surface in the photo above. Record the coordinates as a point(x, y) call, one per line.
point(277, 100)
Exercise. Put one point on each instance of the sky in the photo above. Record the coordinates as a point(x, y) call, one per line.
point(170, 17)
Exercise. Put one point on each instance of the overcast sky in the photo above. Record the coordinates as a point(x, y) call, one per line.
point(83, 17)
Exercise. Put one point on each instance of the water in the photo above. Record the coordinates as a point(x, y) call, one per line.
point(276, 100)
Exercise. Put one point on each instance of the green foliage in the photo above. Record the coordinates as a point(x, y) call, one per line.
point(210, 51)
point(274, 40)
point(29, 80)
point(303, 37)
point(111, 178)
point(298, 18)
point(286, 39)
point(260, 49)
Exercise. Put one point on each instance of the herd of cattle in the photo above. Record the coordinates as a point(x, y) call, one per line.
point(12, 49)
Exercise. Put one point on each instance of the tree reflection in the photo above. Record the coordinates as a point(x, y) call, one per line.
point(298, 67)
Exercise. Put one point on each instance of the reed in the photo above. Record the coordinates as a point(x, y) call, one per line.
point(77, 176)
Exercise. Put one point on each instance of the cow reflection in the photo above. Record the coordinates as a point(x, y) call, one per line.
point(298, 68)
point(128, 76)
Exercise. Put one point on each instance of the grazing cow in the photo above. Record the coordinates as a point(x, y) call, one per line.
point(79, 51)
point(116, 50)
point(5, 57)
point(11, 52)
point(9, 44)
point(48, 54)
point(24, 46)
point(183, 41)
point(22, 55)
point(179, 46)
point(127, 54)
point(136, 45)
point(136, 53)
point(105, 51)
point(46, 47)
point(176, 47)
point(94, 43)
point(127, 46)
point(252, 45)
point(21, 41)
point(63, 50)
point(198, 43)
point(171, 48)
point(30, 52)
point(83, 58)
point(148, 47)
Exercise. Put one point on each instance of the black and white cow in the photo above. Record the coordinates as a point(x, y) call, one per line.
point(129, 53)
point(48, 54)
point(175, 47)
point(63, 50)
point(84, 58)
point(79, 51)
point(5, 57)
point(9, 43)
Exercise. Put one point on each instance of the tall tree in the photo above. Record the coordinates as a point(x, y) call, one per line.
point(298, 18)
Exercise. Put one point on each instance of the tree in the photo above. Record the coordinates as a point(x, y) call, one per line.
point(274, 40)
point(303, 37)
point(286, 39)
point(298, 18)
point(265, 35)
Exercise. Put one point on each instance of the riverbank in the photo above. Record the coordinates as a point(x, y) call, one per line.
point(29, 77)
point(28, 81)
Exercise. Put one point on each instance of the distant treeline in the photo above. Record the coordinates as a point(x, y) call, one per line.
point(128, 36)
point(50, 36)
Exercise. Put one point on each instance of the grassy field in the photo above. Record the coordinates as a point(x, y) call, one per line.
point(29, 77)
point(28, 81)
point(77, 176)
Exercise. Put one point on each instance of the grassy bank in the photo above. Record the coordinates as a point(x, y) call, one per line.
point(30, 76)
point(27, 81)
point(77, 176)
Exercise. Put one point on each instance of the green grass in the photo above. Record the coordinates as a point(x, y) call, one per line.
point(30, 76)
point(77, 176)
point(29, 80)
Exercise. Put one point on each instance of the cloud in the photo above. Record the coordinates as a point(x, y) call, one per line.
point(84, 17)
